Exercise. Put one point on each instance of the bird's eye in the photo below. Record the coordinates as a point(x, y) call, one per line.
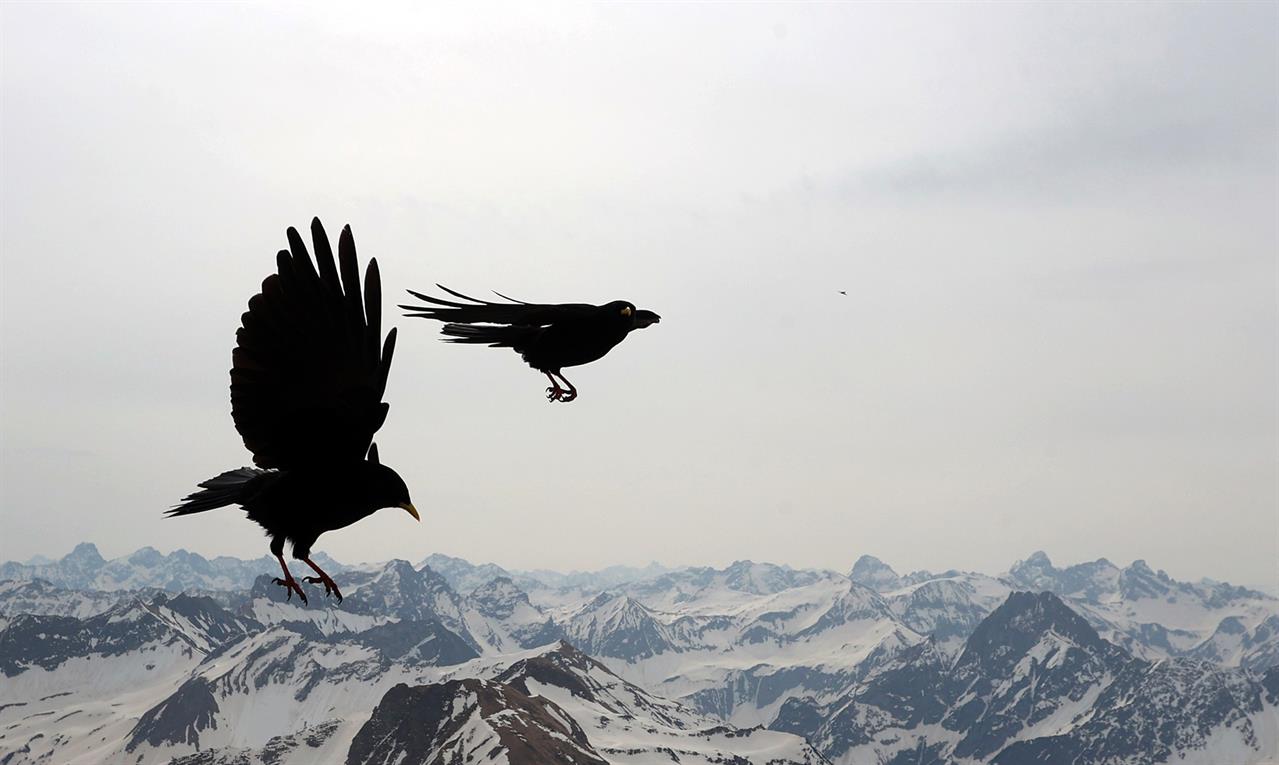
point(626, 311)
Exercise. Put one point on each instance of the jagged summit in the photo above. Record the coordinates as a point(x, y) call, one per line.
point(86, 552)
point(472, 721)
point(499, 598)
point(462, 575)
point(619, 626)
point(875, 574)
point(1018, 626)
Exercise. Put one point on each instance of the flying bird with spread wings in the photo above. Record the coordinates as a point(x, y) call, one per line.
point(549, 337)
point(307, 377)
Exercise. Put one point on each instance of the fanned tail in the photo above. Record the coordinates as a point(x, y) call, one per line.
point(229, 488)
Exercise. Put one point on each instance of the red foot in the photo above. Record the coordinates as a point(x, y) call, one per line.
point(292, 586)
point(556, 393)
point(330, 586)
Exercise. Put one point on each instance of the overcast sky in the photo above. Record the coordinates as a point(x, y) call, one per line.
point(1056, 225)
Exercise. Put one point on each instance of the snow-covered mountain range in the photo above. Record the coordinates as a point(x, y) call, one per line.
point(158, 658)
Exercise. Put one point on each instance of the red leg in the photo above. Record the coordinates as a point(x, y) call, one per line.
point(569, 394)
point(289, 582)
point(330, 586)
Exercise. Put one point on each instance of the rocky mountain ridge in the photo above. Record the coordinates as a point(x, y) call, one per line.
point(690, 661)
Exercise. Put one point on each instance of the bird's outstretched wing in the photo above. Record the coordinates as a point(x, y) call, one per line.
point(477, 311)
point(310, 367)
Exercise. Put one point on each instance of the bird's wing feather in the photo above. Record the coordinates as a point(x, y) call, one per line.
point(310, 366)
point(476, 311)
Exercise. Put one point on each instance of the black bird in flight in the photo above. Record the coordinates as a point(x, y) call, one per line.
point(548, 336)
point(307, 377)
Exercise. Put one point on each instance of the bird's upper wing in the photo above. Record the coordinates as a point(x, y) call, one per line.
point(309, 367)
point(484, 312)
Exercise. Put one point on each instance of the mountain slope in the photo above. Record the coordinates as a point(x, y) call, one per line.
point(472, 721)
point(1036, 683)
point(889, 668)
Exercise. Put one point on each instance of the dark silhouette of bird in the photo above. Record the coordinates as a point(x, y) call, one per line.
point(307, 377)
point(843, 292)
point(548, 336)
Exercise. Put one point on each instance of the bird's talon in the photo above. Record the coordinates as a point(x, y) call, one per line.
point(330, 587)
point(291, 587)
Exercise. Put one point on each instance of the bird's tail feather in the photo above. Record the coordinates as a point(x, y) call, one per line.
point(219, 491)
point(502, 336)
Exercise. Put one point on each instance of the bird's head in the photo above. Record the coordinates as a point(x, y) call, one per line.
point(385, 488)
point(637, 317)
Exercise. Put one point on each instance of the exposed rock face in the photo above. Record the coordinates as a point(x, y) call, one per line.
point(179, 719)
point(473, 721)
point(1036, 683)
point(190, 624)
point(1159, 712)
point(559, 706)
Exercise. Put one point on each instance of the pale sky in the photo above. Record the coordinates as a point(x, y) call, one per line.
point(1056, 225)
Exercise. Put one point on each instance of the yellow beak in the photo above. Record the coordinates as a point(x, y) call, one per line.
point(408, 507)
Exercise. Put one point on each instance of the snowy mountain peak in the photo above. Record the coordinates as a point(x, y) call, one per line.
point(1031, 613)
point(561, 665)
point(146, 556)
point(1018, 628)
point(499, 598)
point(626, 723)
point(1140, 581)
point(875, 574)
point(85, 553)
point(411, 594)
point(1037, 566)
point(471, 720)
point(85, 569)
point(757, 578)
point(397, 572)
point(1097, 581)
point(462, 575)
point(618, 626)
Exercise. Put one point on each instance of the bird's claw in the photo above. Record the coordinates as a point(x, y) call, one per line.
point(330, 586)
point(292, 586)
point(559, 394)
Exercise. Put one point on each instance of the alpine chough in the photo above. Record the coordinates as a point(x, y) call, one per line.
point(307, 377)
point(548, 336)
